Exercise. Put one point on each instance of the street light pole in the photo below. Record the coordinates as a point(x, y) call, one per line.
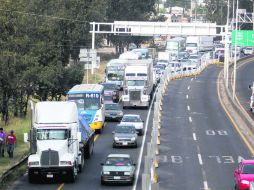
point(226, 65)
point(236, 35)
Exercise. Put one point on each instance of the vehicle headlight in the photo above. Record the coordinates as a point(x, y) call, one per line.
point(120, 113)
point(133, 138)
point(69, 163)
point(106, 173)
point(245, 182)
point(127, 173)
point(35, 163)
point(116, 139)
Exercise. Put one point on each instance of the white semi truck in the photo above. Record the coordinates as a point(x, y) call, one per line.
point(138, 83)
point(194, 44)
point(60, 140)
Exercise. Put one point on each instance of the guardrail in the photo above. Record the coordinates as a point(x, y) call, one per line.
point(5, 175)
point(150, 175)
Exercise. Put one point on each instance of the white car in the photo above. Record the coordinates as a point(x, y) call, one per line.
point(248, 51)
point(135, 120)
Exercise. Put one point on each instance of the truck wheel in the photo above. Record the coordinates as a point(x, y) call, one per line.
point(81, 165)
point(32, 178)
point(72, 177)
point(88, 151)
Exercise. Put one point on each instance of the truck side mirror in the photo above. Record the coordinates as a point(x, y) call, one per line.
point(26, 138)
point(79, 136)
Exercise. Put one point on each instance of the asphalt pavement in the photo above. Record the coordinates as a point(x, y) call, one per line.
point(199, 146)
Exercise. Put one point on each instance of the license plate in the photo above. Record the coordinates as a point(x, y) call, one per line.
point(125, 143)
point(49, 175)
point(117, 177)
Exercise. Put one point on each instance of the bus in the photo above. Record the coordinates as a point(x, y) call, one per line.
point(115, 71)
point(175, 45)
point(90, 102)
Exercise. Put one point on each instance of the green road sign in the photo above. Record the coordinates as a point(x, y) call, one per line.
point(243, 38)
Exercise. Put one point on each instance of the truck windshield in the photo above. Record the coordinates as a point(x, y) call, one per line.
point(136, 83)
point(116, 75)
point(86, 103)
point(172, 46)
point(52, 134)
point(191, 45)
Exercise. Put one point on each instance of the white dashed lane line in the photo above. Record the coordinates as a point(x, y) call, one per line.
point(187, 96)
point(190, 119)
point(188, 87)
point(188, 108)
point(200, 159)
point(194, 136)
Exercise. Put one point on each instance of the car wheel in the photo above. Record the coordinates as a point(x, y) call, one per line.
point(102, 182)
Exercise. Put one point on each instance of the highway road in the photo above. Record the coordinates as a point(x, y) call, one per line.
point(90, 177)
point(245, 77)
point(199, 146)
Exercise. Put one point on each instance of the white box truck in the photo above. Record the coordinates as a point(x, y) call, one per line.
point(60, 140)
point(195, 44)
point(138, 83)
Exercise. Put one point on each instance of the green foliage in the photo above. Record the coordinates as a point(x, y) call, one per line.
point(37, 39)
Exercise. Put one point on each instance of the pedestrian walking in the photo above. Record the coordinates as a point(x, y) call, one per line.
point(10, 141)
point(2, 142)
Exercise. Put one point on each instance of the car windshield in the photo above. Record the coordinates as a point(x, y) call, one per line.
point(52, 134)
point(118, 161)
point(112, 107)
point(131, 119)
point(160, 67)
point(125, 129)
point(191, 45)
point(108, 86)
point(248, 169)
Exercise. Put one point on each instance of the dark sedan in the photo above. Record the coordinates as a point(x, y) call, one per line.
point(113, 111)
point(113, 90)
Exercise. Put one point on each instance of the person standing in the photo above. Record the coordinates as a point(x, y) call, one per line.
point(2, 142)
point(10, 141)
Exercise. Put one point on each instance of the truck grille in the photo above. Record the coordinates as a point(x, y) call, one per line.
point(49, 158)
point(135, 95)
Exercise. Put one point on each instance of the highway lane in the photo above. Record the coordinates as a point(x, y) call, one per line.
point(90, 177)
point(199, 146)
point(245, 77)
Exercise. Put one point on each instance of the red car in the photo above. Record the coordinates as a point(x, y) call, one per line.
point(244, 174)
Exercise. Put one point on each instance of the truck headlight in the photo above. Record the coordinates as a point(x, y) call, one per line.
point(245, 182)
point(127, 173)
point(65, 163)
point(34, 163)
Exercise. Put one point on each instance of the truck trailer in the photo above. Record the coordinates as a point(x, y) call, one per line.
point(60, 140)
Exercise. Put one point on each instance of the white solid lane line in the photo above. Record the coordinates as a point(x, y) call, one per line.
point(190, 119)
point(205, 185)
point(194, 136)
point(142, 146)
point(200, 159)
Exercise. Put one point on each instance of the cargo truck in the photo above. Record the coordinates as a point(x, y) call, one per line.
point(138, 83)
point(195, 44)
point(60, 140)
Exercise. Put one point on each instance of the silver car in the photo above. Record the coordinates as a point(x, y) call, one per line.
point(125, 136)
point(118, 168)
point(134, 119)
